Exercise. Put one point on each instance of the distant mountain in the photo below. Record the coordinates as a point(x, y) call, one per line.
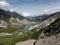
point(16, 15)
point(7, 14)
point(42, 17)
point(39, 18)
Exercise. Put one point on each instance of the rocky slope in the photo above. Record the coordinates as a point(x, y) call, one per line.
point(46, 22)
point(12, 17)
point(52, 40)
point(50, 35)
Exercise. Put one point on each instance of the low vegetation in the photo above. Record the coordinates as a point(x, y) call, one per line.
point(52, 29)
point(11, 40)
point(11, 29)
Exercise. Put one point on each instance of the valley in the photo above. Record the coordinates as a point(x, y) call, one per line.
point(29, 22)
point(19, 30)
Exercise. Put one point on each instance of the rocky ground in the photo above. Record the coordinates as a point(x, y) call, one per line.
point(52, 40)
point(27, 42)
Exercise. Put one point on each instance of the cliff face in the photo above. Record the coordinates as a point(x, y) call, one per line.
point(51, 32)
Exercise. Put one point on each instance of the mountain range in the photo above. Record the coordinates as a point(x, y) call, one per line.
point(7, 14)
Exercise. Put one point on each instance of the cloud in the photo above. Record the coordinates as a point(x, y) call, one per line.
point(46, 10)
point(4, 3)
point(11, 10)
point(16, 10)
point(51, 8)
point(25, 14)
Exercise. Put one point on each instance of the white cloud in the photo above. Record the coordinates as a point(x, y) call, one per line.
point(11, 10)
point(51, 8)
point(4, 3)
point(46, 10)
point(16, 10)
point(26, 14)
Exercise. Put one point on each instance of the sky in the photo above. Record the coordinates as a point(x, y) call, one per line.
point(32, 7)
